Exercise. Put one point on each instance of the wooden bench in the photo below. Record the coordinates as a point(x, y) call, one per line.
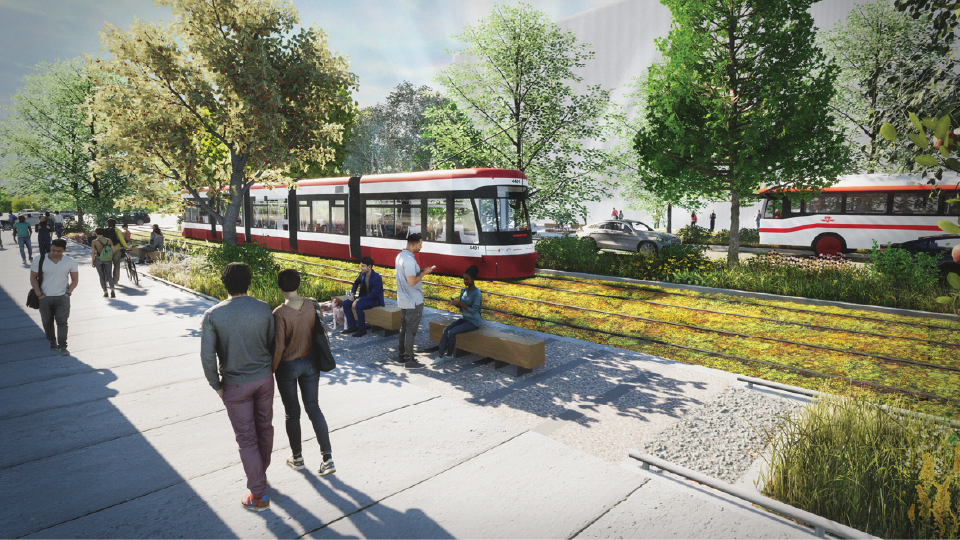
point(385, 318)
point(512, 354)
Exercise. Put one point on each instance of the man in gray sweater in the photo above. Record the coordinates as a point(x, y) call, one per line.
point(239, 332)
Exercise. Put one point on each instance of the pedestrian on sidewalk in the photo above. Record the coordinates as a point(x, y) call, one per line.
point(293, 365)
point(470, 303)
point(410, 298)
point(60, 277)
point(126, 233)
point(693, 219)
point(614, 213)
point(366, 293)
point(43, 235)
point(23, 232)
point(102, 255)
point(119, 243)
point(12, 219)
point(713, 220)
point(58, 223)
point(235, 342)
point(620, 214)
point(757, 218)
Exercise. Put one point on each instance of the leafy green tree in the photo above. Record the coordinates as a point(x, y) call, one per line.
point(883, 64)
point(236, 72)
point(45, 138)
point(390, 136)
point(737, 103)
point(516, 86)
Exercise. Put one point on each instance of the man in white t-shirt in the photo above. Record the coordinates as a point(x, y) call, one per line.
point(410, 298)
point(58, 223)
point(60, 276)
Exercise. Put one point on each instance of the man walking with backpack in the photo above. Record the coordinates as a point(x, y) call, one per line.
point(43, 235)
point(49, 278)
point(236, 337)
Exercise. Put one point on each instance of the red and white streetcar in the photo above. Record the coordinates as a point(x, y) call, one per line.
point(858, 210)
point(467, 216)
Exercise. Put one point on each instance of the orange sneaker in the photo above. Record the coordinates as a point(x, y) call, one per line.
point(257, 505)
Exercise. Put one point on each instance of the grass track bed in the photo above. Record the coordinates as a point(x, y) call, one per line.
point(938, 340)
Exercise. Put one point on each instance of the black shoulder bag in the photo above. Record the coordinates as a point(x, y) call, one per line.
point(322, 355)
point(33, 301)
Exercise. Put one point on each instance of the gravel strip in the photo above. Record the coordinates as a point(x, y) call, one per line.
point(723, 437)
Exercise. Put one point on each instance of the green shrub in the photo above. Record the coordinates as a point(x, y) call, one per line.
point(900, 266)
point(568, 253)
point(748, 236)
point(693, 234)
point(855, 463)
point(256, 256)
point(721, 237)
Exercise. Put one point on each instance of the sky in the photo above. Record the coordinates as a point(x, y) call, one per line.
point(386, 41)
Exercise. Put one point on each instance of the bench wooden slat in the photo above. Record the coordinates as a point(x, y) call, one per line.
point(522, 351)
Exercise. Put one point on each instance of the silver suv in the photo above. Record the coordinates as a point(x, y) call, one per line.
point(627, 235)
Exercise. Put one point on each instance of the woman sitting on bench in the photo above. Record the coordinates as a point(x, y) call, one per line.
point(470, 304)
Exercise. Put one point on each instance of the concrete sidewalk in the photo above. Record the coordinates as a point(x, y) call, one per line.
point(125, 439)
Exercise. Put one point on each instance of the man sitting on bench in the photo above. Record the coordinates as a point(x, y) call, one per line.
point(369, 286)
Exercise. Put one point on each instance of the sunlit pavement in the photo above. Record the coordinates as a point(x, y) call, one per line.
point(123, 438)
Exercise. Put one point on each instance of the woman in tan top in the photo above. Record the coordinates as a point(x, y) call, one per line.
point(104, 268)
point(293, 365)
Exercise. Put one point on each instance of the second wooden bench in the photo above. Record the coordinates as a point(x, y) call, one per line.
point(513, 354)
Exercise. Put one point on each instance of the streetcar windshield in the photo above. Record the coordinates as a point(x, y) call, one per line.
point(507, 212)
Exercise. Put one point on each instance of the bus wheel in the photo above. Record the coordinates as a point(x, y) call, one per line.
point(829, 244)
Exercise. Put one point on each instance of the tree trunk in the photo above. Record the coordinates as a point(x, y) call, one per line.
point(229, 223)
point(669, 218)
point(733, 254)
point(80, 218)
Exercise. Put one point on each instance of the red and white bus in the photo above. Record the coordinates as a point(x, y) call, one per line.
point(858, 210)
point(466, 217)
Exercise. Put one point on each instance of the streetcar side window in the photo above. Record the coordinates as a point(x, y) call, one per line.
point(269, 214)
point(381, 219)
point(503, 215)
point(772, 209)
point(436, 220)
point(867, 203)
point(409, 218)
point(914, 204)
point(338, 217)
point(464, 223)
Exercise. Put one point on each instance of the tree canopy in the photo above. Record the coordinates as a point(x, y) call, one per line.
point(737, 103)
point(44, 142)
point(883, 65)
point(515, 79)
point(228, 94)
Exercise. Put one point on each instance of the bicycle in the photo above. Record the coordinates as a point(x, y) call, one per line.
point(131, 267)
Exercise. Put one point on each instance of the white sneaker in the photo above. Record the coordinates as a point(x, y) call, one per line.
point(327, 468)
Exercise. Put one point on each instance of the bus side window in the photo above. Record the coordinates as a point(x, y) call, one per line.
point(951, 209)
point(914, 203)
point(867, 203)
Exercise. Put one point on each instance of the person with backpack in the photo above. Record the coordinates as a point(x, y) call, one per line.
point(293, 365)
point(116, 236)
point(60, 275)
point(102, 255)
point(23, 232)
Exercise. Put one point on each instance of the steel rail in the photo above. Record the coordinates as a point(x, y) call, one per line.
point(885, 358)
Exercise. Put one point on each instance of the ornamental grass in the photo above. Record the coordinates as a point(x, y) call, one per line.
point(853, 462)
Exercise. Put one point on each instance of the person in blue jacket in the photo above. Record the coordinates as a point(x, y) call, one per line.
point(367, 292)
point(470, 303)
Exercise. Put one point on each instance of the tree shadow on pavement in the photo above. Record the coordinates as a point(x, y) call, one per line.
point(67, 450)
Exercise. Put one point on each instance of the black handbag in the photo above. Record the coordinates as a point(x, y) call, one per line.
point(322, 355)
point(33, 300)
